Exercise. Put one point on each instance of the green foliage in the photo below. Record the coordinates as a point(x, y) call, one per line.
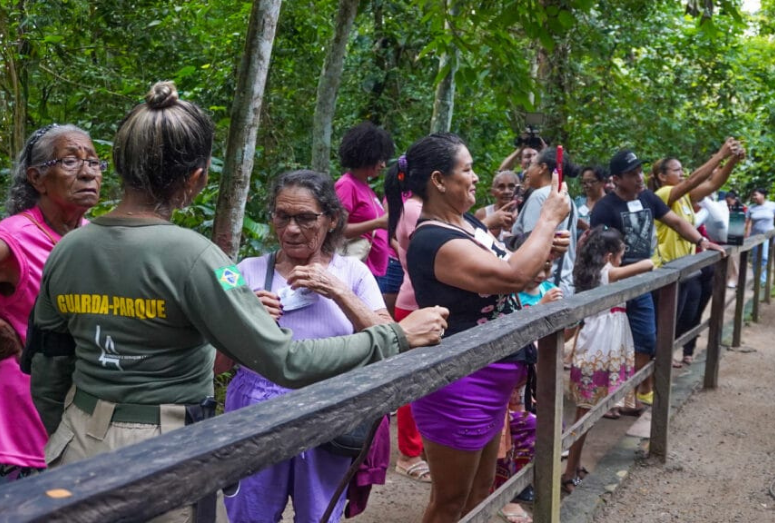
point(606, 73)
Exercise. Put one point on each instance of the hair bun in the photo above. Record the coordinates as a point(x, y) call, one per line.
point(162, 95)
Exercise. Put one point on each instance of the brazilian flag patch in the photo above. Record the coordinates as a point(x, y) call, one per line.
point(229, 277)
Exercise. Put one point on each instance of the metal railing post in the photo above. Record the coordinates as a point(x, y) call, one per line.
point(549, 397)
point(716, 325)
point(742, 278)
point(663, 367)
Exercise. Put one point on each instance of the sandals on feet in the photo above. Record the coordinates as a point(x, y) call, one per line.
point(418, 471)
point(687, 360)
point(581, 473)
point(612, 414)
point(513, 513)
point(568, 485)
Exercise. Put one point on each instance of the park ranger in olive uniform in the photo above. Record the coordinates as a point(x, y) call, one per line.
point(130, 307)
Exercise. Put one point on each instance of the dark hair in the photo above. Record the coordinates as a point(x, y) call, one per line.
point(548, 156)
point(600, 172)
point(590, 259)
point(659, 167)
point(38, 149)
point(435, 152)
point(322, 188)
point(161, 142)
point(365, 145)
point(760, 190)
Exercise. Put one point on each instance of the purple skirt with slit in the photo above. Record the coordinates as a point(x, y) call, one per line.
point(469, 413)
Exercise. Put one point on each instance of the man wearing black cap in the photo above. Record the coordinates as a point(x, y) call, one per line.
point(632, 209)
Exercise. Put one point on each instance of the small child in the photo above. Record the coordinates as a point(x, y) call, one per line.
point(604, 357)
point(540, 290)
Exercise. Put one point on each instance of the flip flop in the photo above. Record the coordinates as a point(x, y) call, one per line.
point(629, 411)
point(419, 471)
point(512, 516)
point(612, 414)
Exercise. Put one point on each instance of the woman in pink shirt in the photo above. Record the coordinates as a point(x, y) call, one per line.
point(364, 151)
point(56, 180)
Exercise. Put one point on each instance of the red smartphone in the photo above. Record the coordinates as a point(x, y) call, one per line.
point(559, 166)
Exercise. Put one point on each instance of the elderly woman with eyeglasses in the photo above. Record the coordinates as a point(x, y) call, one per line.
point(309, 288)
point(56, 179)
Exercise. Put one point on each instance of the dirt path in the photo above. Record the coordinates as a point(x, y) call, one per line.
point(721, 461)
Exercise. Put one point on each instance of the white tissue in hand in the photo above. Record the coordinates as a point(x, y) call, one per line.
point(293, 299)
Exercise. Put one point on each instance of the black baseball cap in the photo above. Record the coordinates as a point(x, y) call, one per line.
point(624, 161)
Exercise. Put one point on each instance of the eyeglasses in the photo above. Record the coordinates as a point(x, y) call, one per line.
point(305, 220)
point(73, 164)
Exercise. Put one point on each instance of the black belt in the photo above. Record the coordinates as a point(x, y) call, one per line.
point(123, 412)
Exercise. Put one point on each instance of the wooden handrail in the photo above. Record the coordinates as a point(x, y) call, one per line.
point(144, 480)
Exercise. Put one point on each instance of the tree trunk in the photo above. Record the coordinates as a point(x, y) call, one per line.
point(15, 76)
point(245, 118)
point(444, 101)
point(328, 85)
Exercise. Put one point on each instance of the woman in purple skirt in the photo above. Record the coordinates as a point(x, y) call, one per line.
point(455, 262)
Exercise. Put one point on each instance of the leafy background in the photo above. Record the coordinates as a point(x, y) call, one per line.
point(663, 77)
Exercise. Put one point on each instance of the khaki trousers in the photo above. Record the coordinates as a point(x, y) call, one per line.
point(81, 435)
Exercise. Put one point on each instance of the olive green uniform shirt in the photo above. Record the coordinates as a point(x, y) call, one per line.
point(146, 302)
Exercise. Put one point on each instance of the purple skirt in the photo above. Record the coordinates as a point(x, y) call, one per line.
point(469, 413)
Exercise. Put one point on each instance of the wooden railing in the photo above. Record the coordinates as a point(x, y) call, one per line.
point(139, 482)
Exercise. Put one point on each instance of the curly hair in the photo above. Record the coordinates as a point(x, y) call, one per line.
point(365, 145)
point(322, 188)
point(593, 248)
point(435, 152)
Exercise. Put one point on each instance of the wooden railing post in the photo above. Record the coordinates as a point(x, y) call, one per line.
point(663, 366)
point(757, 278)
point(742, 278)
point(549, 398)
point(716, 325)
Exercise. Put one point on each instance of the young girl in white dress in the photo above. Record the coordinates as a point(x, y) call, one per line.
point(604, 357)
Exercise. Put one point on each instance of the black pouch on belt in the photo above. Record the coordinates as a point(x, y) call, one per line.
point(204, 509)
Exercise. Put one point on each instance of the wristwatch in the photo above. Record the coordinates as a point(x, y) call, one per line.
point(699, 242)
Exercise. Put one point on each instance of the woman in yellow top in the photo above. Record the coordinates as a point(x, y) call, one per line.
point(680, 194)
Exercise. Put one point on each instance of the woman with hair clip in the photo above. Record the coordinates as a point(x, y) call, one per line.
point(453, 261)
point(55, 180)
point(144, 302)
point(680, 193)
